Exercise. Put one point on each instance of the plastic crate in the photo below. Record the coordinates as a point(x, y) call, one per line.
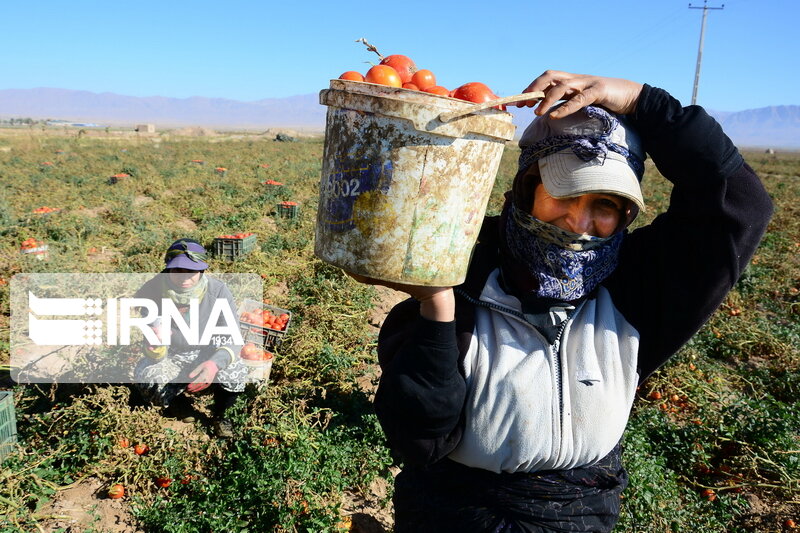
point(259, 334)
point(288, 209)
point(8, 424)
point(232, 247)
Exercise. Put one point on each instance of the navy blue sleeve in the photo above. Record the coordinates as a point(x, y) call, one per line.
point(421, 391)
point(675, 272)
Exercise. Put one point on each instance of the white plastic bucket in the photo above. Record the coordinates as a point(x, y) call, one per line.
point(403, 194)
point(258, 370)
point(40, 252)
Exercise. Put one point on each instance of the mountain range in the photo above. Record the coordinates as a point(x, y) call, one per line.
point(770, 127)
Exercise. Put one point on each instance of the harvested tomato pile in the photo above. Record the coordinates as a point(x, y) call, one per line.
point(254, 353)
point(237, 236)
point(400, 71)
point(31, 243)
point(46, 209)
point(265, 318)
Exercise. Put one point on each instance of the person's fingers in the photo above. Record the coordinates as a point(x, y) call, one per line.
point(557, 92)
point(197, 386)
point(575, 102)
point(547, 79)
point(541, 83)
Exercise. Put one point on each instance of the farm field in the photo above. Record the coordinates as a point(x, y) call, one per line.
point(713, 444)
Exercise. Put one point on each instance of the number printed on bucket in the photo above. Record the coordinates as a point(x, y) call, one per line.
point(347, 182)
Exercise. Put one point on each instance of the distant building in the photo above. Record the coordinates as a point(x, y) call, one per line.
point(146, 128)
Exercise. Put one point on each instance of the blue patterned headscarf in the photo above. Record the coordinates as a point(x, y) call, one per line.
point(585, 147)
point(566, 266)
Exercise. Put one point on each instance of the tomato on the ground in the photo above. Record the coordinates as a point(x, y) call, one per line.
point(141, 449)
point(116, 491)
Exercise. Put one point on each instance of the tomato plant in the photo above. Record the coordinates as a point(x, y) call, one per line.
point(384, 75)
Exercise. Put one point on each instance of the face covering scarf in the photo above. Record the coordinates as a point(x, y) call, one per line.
point(182, 296)
point(566, 265)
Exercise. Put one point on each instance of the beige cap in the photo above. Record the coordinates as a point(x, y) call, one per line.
point(589, 151)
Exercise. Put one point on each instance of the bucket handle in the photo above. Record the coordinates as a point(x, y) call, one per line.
point(450, 115)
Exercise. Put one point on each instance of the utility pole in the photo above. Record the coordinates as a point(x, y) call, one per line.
point(705, 9)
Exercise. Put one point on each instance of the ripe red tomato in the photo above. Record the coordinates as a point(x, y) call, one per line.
point(352, 75)
point(654, 395)
point(475, 91)
point(251, 351)
point(410, 86)
point(163, 482)
point(437, 89)
point(116, 491)
point(404, 66)
point(124, 442)
point(384, 75)
point(141, 449)
point(423, 78)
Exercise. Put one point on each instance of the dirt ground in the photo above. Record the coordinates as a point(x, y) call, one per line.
point(84, 506)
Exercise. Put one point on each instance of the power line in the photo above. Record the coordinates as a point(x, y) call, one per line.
point(705, 9)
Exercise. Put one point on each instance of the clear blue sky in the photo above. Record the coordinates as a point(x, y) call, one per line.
point(249, 50)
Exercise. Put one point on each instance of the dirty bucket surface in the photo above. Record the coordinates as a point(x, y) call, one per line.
point(403, 195)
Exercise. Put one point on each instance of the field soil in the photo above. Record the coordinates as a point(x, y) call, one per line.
point(84, 507)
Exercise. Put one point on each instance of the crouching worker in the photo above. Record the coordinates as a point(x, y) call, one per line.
point(168, 371)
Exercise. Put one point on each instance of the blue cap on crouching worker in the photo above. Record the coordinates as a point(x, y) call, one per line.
point(589, 151)
point(186, 253)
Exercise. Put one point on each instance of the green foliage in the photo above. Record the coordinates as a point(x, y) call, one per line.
point(311, 436)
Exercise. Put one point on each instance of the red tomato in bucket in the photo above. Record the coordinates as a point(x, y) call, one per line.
point(404, 66)
point(384, 75)
point(352, 75)
point(474, 92)
point(437, 89)
point(423, 79)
